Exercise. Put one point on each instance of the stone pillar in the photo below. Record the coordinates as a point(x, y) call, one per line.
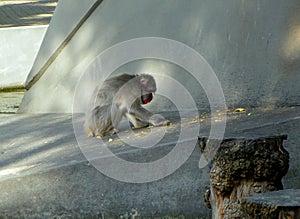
point(240, 167)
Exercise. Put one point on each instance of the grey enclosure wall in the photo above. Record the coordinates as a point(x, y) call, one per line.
point(19, 47)
point(252, 46)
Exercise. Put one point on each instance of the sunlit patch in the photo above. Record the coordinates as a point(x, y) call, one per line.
point(28, 1)
point(37, 16)
point(6, 25)
point(15, 170)
point(14, 2)
point(291, 46)
point(53, 4)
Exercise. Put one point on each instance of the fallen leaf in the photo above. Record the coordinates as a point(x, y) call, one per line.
point(239, 110)
point(117, 140)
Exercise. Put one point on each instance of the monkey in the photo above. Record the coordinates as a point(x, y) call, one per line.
point(118, 97)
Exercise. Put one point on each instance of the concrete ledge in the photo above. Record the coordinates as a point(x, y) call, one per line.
point(273, 205)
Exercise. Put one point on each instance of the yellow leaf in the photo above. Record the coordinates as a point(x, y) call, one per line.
point(238, 110)
point(117, 140)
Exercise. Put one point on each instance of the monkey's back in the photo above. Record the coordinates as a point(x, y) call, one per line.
point(105, 92)
point(98, 118)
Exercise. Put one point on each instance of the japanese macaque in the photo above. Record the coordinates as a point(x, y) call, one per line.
point(118, 97)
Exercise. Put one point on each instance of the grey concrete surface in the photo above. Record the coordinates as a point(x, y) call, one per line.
point(252, 46)
point(18, 50)
point(43, 173)
point(23, 24)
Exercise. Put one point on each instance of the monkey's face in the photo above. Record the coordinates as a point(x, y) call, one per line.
point(148, 88)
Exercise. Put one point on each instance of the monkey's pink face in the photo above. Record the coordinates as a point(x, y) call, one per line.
point(148, 84)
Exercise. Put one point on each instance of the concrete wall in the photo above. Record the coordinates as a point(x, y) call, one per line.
point(253, 47)
point(67, 15)
point(18, 50)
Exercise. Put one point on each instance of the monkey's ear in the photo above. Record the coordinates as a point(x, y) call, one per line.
point(143, 80)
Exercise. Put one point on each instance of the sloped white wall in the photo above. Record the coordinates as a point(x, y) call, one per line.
point(253, 47)
point(18, 50)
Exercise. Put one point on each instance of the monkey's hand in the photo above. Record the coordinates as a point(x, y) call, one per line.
point(163, 123)
point(159, 120)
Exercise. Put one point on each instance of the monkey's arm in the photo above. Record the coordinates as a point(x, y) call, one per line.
point(136, 123)
point(146, 116)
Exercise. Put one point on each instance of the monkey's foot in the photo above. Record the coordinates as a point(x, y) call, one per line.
point(113, 132)
point(99, 136)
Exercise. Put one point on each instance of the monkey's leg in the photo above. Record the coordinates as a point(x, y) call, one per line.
point(89, 126)
point(113, 131)
point(99, 136)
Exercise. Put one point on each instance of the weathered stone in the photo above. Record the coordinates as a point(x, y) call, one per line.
point(273, 205)
point(240, 167)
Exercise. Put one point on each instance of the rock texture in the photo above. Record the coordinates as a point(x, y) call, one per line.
point(241, 167)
